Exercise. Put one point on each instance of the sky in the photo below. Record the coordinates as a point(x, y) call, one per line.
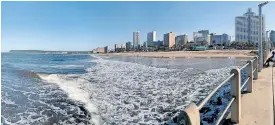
point(83, 26)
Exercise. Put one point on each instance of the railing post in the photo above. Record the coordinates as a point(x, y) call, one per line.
point(190, 116)
point(236, 92)
point(250, 74)
point(257, 67)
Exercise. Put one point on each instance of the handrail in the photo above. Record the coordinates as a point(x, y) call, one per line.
point(254, 70)
point(193, 110)
point(244, 66)
point(245, 82)
point(214, 91)
point(223, 113)
point(253, 59)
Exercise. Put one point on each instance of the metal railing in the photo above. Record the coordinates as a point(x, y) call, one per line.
point(192, 112)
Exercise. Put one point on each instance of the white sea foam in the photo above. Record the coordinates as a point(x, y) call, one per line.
point(130, 93)
point(68, 66)
point(76, 90)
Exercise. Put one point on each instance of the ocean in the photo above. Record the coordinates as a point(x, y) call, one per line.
point(90, 89)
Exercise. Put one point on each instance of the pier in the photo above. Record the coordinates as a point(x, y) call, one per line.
point(251, 101)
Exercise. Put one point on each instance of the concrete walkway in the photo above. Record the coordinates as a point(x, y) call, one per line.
point(257, 107)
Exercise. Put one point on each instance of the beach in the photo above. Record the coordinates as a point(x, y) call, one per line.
point(244, 54)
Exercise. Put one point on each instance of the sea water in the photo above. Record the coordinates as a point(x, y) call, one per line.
point(90, 89)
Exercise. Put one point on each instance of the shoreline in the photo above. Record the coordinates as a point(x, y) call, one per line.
point(237, 54)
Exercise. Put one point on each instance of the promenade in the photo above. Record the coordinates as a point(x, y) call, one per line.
point(257, 108)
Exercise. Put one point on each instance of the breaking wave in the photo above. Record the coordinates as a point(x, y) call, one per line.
point(77, 89)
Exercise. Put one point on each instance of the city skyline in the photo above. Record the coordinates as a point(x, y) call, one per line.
point(88, 25)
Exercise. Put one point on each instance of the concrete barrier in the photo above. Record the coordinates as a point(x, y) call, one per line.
point(236, 93)
point(250, 76)
point(190, 116)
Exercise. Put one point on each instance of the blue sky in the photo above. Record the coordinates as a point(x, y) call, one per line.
point(87, 25)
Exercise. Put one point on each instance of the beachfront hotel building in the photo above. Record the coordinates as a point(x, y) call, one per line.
point(151, 36)
point(169, 39)
point(247, 27)
point(181, 40)
point(123, 46)
point(220, 39)
point(136, 39)
point(128, 46)
point(202, 37)
point(99, 50)
point(106, 49)
point(116, 47)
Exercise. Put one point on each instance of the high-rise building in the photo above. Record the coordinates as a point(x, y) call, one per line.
point(151, 36)
point(116, 47)
point(136, 39)
point(196, 35)
point(169, 39)
point(128, 46)
point(247, 27)
point(204, 33)
point(202, 37)
point(106, 50)
point(181, 40)
point(123, 46)
point(220, 39)
point(272, 36)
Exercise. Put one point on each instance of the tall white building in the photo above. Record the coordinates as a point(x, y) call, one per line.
point(136, 39)
point(181, 39)
point(151, 36)
point(247, 27)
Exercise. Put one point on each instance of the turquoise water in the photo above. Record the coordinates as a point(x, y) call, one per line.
point(84, 89)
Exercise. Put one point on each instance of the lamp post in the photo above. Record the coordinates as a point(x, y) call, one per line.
point(260, 47)
point(267, 41)
point(267, 35)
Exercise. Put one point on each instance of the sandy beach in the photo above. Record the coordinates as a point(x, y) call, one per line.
point(190, 54)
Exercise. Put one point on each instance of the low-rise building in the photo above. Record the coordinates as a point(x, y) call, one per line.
point(220, 39)
point(155, 44)
point(99, 50)
point(128, 46)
